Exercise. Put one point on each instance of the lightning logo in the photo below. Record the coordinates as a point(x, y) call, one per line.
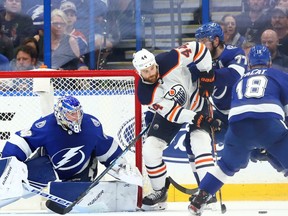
point(67, 157)
point(37, 11)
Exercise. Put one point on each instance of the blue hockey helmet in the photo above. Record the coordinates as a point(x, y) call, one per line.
point(69, 114)
point(259, 55)
point(210, 30)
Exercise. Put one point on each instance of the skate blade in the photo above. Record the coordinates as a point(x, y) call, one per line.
point(211, 207)
point(157, 207)
point(194, 211)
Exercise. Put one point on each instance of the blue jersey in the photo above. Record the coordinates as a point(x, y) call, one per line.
point(261, 93)
point(70, 153)
point(229, 67)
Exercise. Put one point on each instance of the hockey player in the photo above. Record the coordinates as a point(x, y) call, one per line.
point(72, 140)
point(256, 120)
point(229, 65)
point(168, 87)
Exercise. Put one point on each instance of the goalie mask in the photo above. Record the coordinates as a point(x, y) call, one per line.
point(69, 114)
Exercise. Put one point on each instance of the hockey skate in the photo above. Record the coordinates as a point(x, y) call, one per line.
point(156, 200)
point(198, 202)
point(211, 203)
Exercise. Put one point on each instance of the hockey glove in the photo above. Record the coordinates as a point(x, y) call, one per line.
point(206, 83)
point(207, 123)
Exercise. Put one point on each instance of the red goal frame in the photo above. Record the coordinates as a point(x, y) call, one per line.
point(49, 73)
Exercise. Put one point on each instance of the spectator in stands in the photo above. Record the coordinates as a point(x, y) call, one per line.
point(252, 23)
point(270, 39)
point(65, 49)
point(4, 63)
point(70, 10)
point(32, 42)
point(231, 34)
point(279, 23)
point(25, 59)
point(15, 25)
point(5, 83)
point(6, 45)
point(246, 46)
point(102, 37)
point(37, 15)
point(283, 3)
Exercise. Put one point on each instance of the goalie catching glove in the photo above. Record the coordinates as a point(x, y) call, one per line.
point(126, 172)
point(207, 123)
point(206, 83)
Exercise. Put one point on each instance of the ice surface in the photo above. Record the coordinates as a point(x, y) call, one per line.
point(234, 208)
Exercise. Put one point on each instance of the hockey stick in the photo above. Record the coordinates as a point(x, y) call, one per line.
point(55, 207)
point(181, 188)
point(44, 194)
point(210, 113)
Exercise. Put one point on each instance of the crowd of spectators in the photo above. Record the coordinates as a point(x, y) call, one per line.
point(263, 22)
point(22, 23)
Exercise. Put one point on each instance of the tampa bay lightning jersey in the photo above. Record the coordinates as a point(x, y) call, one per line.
point(261, 93)
point(70, 153)
point(229, 67)
point(176, 92)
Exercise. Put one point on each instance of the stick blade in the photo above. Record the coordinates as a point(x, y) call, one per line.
point(181, 188)
point(53, 206)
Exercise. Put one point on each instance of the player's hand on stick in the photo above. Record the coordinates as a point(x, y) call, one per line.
point(206, 83)
point(207, 123)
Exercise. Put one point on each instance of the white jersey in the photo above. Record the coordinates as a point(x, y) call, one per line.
point(175, 95)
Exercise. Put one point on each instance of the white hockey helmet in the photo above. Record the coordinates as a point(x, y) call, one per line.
point(143, 59)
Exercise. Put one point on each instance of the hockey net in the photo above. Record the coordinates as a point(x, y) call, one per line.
point(107, 94)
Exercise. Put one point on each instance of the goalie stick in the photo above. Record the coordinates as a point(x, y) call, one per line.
point(181, 188)
point(44, 194)
point(55, 207)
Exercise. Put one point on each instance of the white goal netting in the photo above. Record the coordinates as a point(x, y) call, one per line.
point(108, 95)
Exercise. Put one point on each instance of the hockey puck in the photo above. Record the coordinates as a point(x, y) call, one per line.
point(262, 212)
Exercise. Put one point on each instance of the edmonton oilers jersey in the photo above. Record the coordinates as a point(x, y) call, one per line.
point(229, 67)
point(70, 153)
point(177, 90)
point(261, 93)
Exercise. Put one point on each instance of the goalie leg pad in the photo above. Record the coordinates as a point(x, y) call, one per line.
point(12, 173)
point(112, 196)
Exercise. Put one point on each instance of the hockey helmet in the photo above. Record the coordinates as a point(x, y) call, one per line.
point(143, 59)
point(210, 30)
point(69, 114)
point(259, 55)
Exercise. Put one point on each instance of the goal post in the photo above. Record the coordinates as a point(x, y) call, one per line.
point(110, 95)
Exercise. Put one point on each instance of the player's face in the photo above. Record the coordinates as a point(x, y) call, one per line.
point(73, 116)
point(150, 74)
